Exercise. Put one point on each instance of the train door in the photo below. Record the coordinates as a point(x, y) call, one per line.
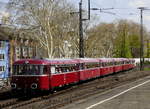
point(44, 78)
point(47, 72)
point(51, 69)
point(57, 76)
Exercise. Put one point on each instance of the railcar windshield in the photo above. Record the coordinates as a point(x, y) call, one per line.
point(29, 69)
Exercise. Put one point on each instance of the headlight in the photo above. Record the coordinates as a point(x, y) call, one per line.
point(34, 86)
point(13, 85)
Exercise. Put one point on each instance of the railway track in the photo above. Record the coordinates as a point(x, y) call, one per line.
point(74, 93)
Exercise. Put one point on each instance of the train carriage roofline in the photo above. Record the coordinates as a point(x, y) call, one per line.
point(106, 59)
point(88, 60)
point(69, 61)
point(58, 61)
point(47, 61)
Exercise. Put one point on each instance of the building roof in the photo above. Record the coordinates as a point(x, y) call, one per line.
point(8, 32)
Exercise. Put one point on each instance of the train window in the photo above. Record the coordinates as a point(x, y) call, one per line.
point(57, 70)
point(53, 69)
point(91, 65)
point(65, 68)
point(43, 69)
point(2, 56)
point(29, 69)
point(100, 64)
point(103, 64)
point(107, 63)
point(111, 63)
point(81, 66)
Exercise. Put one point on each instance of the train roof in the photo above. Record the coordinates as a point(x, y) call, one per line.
point(106, 59)
point(56, 61)
point(63, 61)
point(68, 61)
point(47, 61)
point(88, 60)
point(31, 61)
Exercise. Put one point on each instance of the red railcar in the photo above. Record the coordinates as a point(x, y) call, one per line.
point(63, 72)
point(118, 64)
point(44, 74)
point(30, 74)
point(89, 68)
point(107, 66)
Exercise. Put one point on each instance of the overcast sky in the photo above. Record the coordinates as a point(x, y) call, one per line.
point(124, 9)
point(2, 8)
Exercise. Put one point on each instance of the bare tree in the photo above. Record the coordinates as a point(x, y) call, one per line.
point(48, 20)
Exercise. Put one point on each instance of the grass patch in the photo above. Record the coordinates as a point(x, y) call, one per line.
point(147, 69)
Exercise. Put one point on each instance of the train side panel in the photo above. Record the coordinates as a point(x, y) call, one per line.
point(117, 68)
point(96, 72)
point(57, 80)
point(106, 70)
point(111, 69)
point(125, 67)
point(44, 83)
point(131, 66)
point(89, 73)
point(85, 74)
point(71, 77)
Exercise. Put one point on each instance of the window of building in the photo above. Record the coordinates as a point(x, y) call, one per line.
point(2, 68)
point(2, 57)
point(25, 51)
point(30, 52)
point(2, 44)
point(17, 50)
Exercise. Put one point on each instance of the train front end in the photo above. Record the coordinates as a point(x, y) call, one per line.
point(30, 75)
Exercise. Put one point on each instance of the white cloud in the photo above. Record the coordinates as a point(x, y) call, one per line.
point(139, 3)
point(147, 17)
point(134, 18)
